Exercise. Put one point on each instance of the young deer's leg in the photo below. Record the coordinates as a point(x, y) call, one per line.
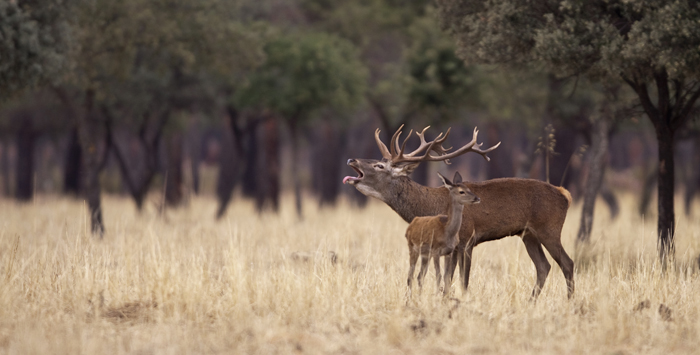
point(424, 261)
point(413, 258)
point(556, 250)
point(450, 264)
point(436, 261)
point(534, 250)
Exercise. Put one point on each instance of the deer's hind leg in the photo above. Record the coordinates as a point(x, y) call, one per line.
point(534, 250)
point(556, 250)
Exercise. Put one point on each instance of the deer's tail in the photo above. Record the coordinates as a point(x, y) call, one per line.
point(566, 194)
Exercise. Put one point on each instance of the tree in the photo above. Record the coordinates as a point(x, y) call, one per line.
point(32, 44)
point(33, 41)
point(439, 82)
point(135, 64)
point(302, 74)
point(649, 45)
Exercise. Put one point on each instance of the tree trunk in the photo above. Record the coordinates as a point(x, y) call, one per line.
point(268, 167)
point(228, 170)
point(87, 131)
point(25, 160)
point(565, 148)
point(194, 144)
point(138, 170)
point(71, 174)
point(326, 163)
point(599, 150)
point(294, 135)
point(173, 181)
point(666, 180)
point(5, 167)
point(501, 164)
point(648, 191)
point(667, 115)
point(610, 199)
point(693, 181)
point(250, 172)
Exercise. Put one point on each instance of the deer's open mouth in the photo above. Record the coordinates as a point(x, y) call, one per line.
point(354, 179)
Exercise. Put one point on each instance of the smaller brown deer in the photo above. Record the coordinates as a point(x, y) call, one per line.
point(436, 236)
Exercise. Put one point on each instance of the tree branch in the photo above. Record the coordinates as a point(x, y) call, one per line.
point(643, 94)
point(381, 113)
point(121, 161)
point(684, 113)
point(677, 88)
point(664, 97)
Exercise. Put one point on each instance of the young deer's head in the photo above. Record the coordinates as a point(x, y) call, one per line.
point(374, 177)
point(459, 193)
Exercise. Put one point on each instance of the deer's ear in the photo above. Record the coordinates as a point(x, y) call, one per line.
point(445, 181)
point(404, 169)
point(458, 178)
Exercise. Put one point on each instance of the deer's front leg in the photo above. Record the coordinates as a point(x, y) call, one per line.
point(451, 261)
point(438, 277)
point(413, 258)
point(423, 268)
point(466, 263)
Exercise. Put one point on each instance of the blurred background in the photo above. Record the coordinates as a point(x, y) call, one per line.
point(162, 100)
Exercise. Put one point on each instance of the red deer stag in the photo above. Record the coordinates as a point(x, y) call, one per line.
point(436, 236)
point(532, 209)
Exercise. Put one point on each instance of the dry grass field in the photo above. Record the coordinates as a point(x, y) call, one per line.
point(270, 284)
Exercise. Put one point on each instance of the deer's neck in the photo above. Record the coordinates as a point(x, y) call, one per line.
point(410, 199)
point(454, 219)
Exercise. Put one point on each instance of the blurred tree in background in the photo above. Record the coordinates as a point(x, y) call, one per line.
point(643, 44)
point(33, 43)
point(136, 64)
point(154, 98)
point(301, 75)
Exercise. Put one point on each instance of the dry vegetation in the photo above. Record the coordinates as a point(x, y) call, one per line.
point(269, 284)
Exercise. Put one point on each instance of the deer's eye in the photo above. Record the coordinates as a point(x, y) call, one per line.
point(379, 166)
point(462, 192)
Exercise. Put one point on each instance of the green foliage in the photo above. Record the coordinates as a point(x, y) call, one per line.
point(141, 56)
point(412, 67)
point(32, 44)
point(19, 51)
point(514, 97)
point(438, 80)
point(304, 73)
point(602, 39)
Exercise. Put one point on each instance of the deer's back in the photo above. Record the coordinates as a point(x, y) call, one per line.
point(510, 205)
point(427, 230)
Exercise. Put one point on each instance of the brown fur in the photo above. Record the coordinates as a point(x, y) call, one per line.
point(532, 209)
point(566, 194)
point(436, 236)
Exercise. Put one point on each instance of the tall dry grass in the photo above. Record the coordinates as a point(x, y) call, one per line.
point(269, 284)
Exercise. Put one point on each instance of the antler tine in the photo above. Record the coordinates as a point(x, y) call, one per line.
point(411, 157)
point(382, 146)
point(436, 146)
point(393, 143)
point(403, 146)
point(469, 147)
point(423, 143)
point(439, 148)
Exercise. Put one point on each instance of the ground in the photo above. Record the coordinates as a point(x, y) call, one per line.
point(332, 283)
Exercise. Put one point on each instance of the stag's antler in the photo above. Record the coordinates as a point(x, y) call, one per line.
point(382, 147)
point(397, 155)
